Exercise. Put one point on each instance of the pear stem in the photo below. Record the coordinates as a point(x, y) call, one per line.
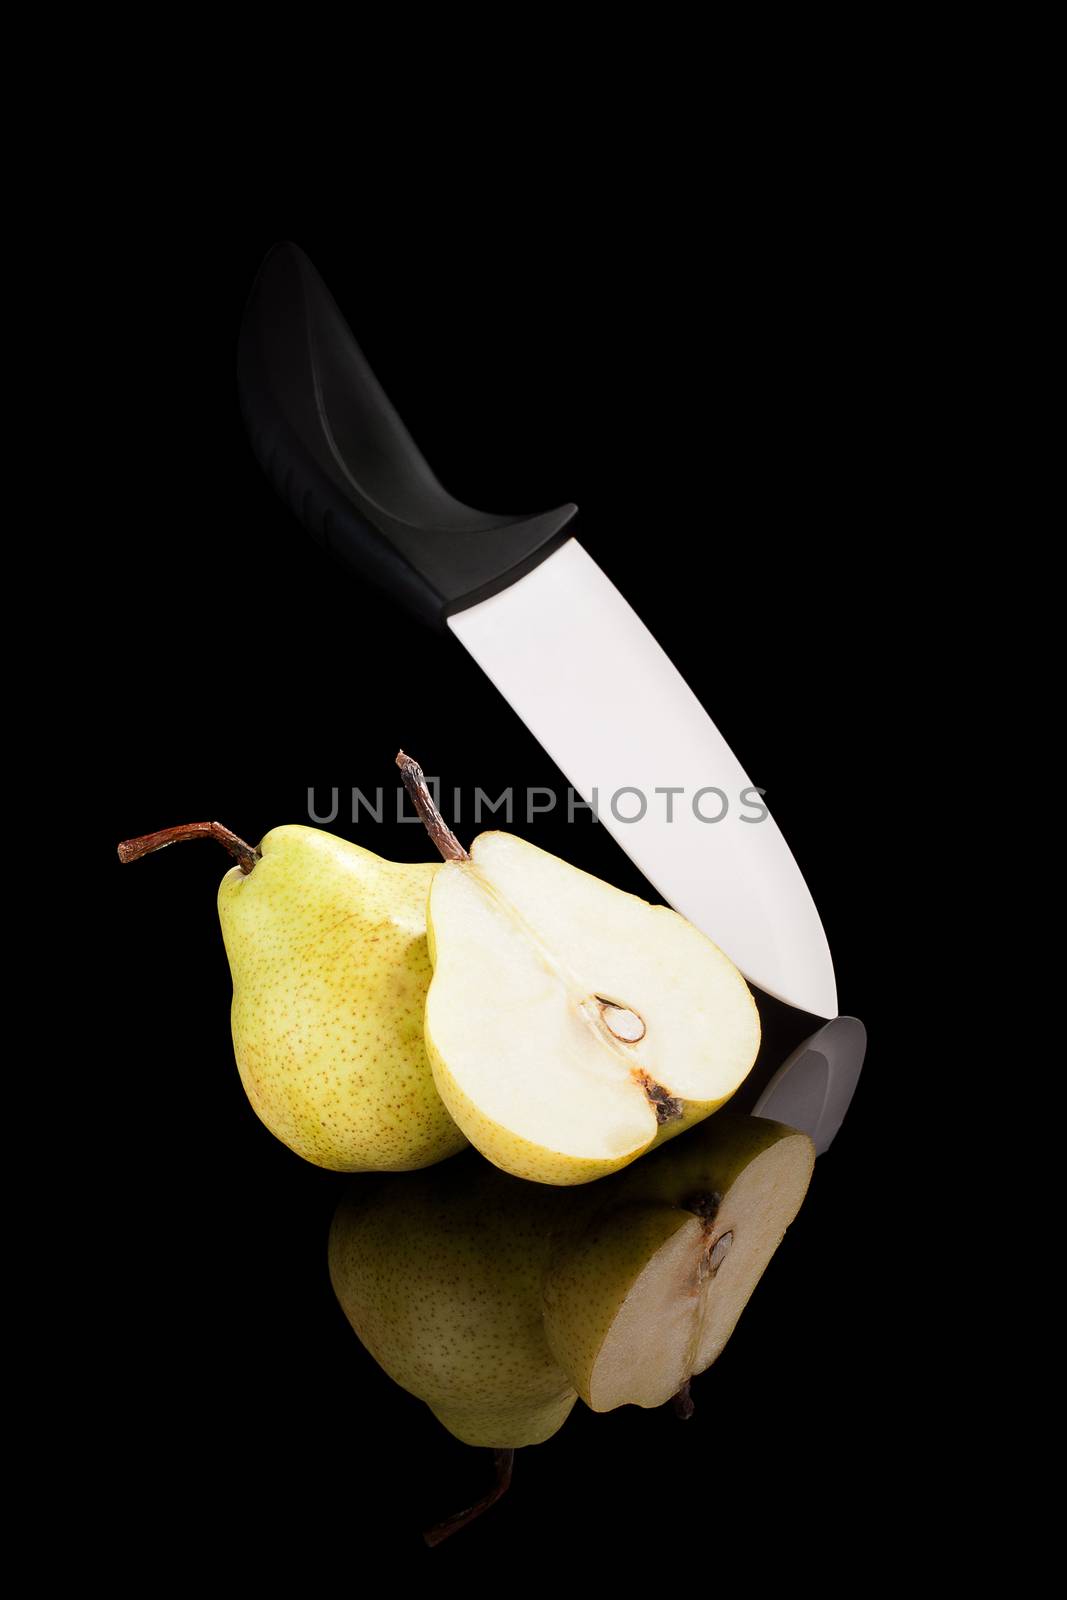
point(503, 1462)
point(243, 854)
point(682, 1404)
point(432, 820)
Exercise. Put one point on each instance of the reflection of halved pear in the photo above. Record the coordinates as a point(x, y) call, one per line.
point(647, 1283)
point(571, 1025)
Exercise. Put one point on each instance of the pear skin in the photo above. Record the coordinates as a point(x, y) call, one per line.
point(327, 949)
point(440, 1274)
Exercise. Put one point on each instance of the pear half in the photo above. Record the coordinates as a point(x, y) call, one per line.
point(645, 1290)
point(570, 1025)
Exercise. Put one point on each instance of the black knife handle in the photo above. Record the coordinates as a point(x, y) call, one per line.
point(334, 447)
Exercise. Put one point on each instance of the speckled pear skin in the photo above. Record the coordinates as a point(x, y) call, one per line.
point(327, 949)
point(440, 1275)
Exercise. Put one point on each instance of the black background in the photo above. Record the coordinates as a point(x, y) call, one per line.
point(723, 418)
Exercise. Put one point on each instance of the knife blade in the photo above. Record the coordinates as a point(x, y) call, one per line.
point(604, 700)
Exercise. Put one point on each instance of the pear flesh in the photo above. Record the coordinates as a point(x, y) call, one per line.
point(646, 1291)
point(328, 952)
point(572, 1025)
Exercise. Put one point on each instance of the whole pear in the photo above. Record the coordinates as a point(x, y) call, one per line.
point(440, 1274)
point(327, 949)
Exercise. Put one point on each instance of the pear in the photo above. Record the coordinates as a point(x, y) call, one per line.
point(649, 1275)
point(440, 1274)
point(498, 1301)
point(571, 1026)
point(327, 949)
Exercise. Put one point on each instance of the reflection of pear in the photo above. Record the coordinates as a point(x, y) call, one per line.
point(440, 1274)
point(650, 1274)
point(327, 947)
point(494, 1300)
point(570, 1025)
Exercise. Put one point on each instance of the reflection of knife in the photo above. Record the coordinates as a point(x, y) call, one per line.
point(542, 620)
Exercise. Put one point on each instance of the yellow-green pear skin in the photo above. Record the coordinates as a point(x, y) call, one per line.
point(327, 949)
point(648, 1277)
point(440, 1274)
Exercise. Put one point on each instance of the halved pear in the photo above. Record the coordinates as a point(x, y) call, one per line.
point(645, 1289)
point(571, 1025)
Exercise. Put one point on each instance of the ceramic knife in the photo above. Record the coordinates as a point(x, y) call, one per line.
point(544, 622)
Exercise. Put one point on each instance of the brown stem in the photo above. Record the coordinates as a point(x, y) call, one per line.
point(432, 820)
point(682, 1404)
point(503, 1462)
point(243, 854)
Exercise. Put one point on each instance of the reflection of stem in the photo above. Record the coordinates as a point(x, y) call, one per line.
point(682, 1404)
point(503, 1461)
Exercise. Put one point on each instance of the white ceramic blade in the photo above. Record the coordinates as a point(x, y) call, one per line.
point(597, 691)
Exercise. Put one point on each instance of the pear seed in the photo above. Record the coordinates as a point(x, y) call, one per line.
point(622, 1022)
point(719, 1249)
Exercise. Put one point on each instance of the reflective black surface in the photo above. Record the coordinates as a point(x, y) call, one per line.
point(501, 1303)
point(239, 670)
